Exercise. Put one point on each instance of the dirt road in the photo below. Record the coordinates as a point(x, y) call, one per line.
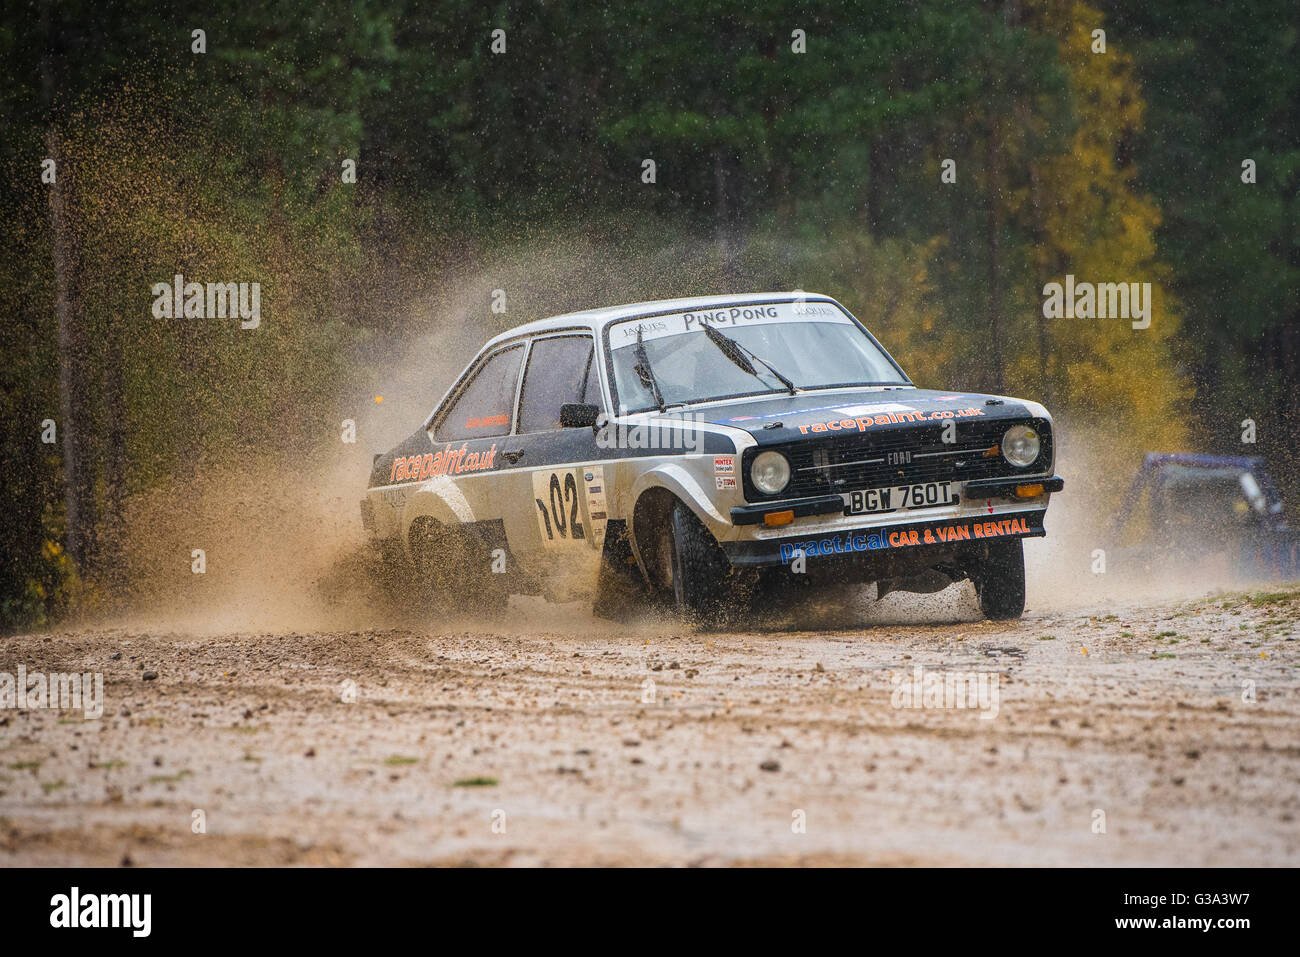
point(1155, 734)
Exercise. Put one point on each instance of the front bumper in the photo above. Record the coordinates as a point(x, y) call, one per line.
point(947, 534)
point(780, 513)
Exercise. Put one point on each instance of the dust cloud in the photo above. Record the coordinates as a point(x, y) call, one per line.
point(281, 536)
point(284, 550)
point(283, 547)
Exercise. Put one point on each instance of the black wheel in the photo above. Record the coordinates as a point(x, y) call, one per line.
point(702, 587)
point(1000, 581)
point(390, 573)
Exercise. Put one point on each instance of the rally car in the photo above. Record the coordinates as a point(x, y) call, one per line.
point(702, 452)
point(1221, 514)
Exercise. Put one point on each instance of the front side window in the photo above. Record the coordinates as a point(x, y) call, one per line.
point(484, 406)
point(558, 369)
point(591, 387)
point(815, 345)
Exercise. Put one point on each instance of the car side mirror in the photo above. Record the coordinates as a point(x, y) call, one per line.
point(576, 415)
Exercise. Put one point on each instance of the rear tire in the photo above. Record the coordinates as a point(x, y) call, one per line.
point(1000, 581)
point(454, 570)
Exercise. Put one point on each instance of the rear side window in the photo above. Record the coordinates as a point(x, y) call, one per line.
point(558, 370)
point(483, 408)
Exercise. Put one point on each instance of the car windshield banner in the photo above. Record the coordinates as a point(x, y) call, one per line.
point(725, 318)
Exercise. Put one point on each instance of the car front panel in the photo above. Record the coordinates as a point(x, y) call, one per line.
point(900, 455)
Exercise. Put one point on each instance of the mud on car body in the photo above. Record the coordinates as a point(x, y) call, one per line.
point(702, 452)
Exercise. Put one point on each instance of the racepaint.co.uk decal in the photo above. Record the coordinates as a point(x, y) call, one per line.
point(864, 422)
point(416, 468)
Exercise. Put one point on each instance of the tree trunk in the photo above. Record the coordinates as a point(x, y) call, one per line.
point(1038, 233)
point(995, 258)
point(115, 462)
point(63, 312)
point(78, 488)
point(724, 227)
point(875, 180)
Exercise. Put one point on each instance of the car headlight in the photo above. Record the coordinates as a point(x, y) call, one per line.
point(770, 472)
point(1020, 446)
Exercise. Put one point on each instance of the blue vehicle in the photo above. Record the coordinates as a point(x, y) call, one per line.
point(1208, 507)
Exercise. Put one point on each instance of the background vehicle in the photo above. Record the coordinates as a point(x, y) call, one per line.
point(1211, 508)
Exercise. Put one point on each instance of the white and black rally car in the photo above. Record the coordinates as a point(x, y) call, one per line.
point(706, 451)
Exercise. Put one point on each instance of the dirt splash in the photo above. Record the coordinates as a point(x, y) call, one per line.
point(283, 547)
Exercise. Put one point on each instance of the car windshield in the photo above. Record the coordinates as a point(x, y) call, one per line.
point(815, 345)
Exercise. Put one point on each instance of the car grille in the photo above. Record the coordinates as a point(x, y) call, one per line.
point(863, 460)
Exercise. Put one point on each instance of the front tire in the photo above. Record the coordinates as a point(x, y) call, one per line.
point(1000, 581)
point(702, 586)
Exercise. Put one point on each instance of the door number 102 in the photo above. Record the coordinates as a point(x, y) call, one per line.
point(553, 517)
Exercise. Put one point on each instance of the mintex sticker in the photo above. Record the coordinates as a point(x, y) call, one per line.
point(724, 465)
point(725, 481)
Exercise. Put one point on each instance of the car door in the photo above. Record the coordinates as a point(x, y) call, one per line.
point(565, 489)
point(470, 433)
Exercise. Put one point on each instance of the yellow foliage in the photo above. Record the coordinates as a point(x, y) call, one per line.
point(1081, 206)
point(1094, 224)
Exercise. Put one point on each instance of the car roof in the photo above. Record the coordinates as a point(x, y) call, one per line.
point(597, 319)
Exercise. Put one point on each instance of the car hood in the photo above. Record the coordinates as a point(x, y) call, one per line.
point(779, 418)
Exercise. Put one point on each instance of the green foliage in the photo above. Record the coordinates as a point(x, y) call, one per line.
point(816, 170)
point(1220, 84)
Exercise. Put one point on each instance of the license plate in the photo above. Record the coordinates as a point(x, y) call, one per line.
point(921, 495)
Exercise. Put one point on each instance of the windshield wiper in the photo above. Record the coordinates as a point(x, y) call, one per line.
point(734, 351)
point(643, 370)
